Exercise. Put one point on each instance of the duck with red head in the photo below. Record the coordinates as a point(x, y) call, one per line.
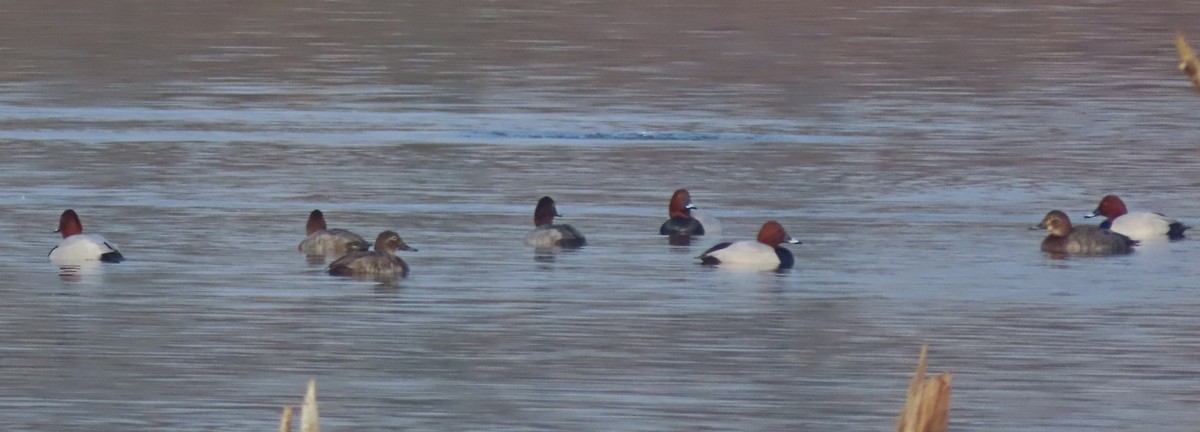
point(546, 233)
point(681, 221)
point(382, 262)
point(1141, 226)
point(1083, 240)
point(763, 253)
point(322, 241)
point(77, 247)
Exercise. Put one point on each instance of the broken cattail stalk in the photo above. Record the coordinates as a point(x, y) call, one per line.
point(927, 408)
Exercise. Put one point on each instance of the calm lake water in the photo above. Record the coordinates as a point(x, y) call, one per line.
point(909, 145)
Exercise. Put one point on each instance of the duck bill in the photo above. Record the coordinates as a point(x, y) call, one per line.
point(1038, 227)
point(1092, 214)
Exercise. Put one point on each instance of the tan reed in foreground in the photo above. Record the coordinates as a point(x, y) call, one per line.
point(927, 408)
point(1187, 60)
point(309, 421)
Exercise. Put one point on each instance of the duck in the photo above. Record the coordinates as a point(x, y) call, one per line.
point(1140, 226)
point(1084, 240)
point(77, 247)
point(324, 241)
point(681, 221)
point(763, 253)
point(547, 234)
point(380, 262)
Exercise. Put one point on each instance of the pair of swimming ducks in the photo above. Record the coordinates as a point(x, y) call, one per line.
point(355, 258)
point(1118, 234)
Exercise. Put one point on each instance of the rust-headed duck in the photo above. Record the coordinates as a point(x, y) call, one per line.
point(763, 253)
point(681, 221)
point(546, 234)
point(1139, 226)
point(77, 247)
point(324, 241)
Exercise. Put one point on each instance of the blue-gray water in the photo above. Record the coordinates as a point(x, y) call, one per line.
point(908, 145)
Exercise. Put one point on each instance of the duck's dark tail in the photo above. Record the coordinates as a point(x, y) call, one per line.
point(1176, 231)
point(112, 257)
point(337, 269)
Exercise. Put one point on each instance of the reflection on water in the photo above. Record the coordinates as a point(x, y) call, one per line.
point(679, 239)
point(84, 271)
point(318, 260)
point(907, 144)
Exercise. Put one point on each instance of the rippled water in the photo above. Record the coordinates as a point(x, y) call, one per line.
point(908, 145)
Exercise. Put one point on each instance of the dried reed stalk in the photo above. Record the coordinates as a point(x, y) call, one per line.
point(927, 408)
point(308, 412)
point(1187, 60)
point(285, 420)
point(309, 421)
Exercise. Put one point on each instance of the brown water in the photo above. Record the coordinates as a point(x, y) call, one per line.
point(909, 145)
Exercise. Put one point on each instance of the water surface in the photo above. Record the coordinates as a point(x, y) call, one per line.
point(908, 145)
